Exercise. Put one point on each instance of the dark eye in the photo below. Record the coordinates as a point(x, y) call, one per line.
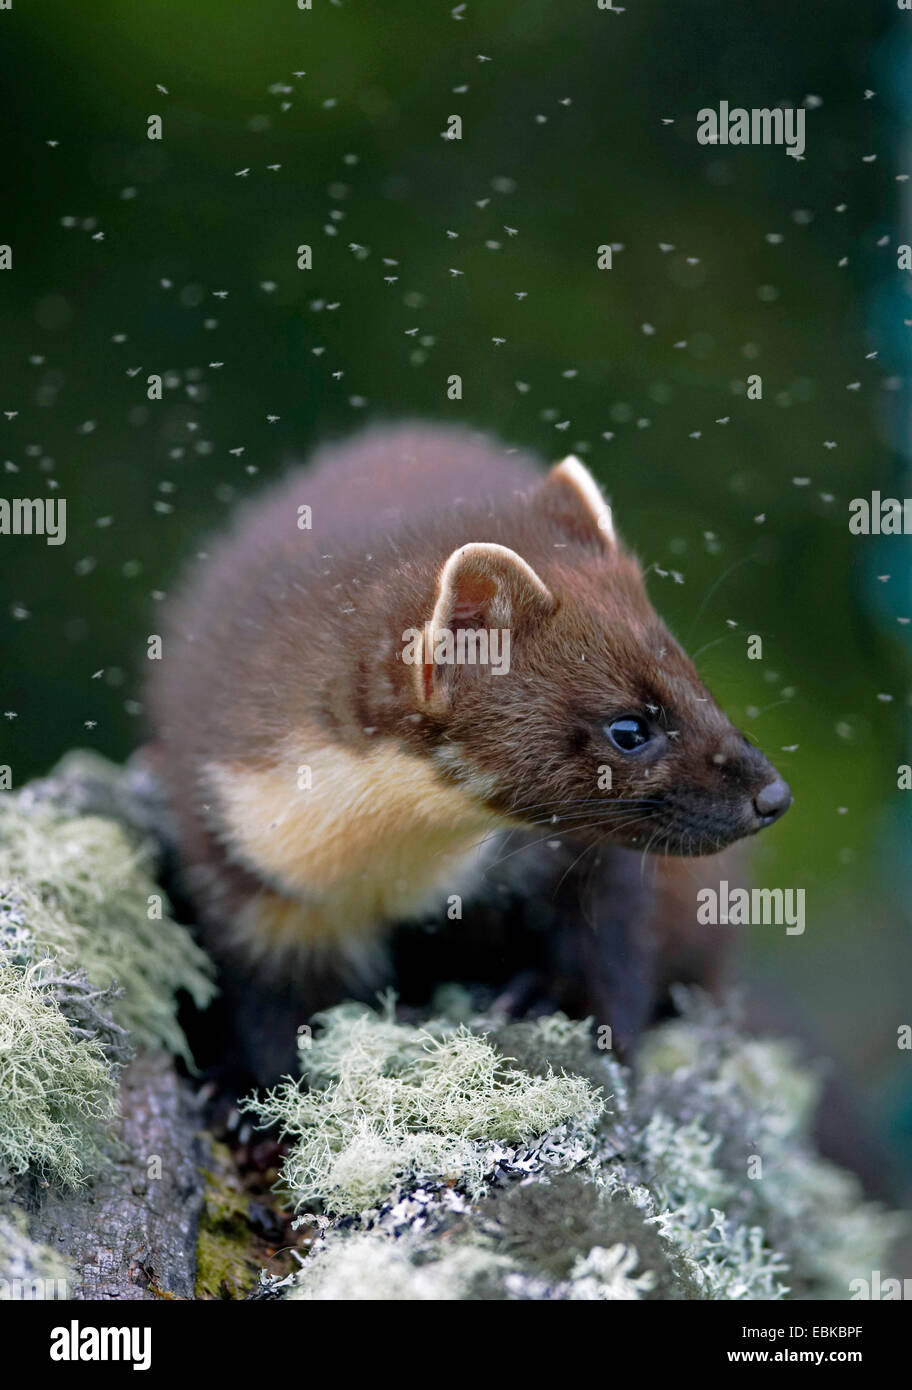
point(629, 733)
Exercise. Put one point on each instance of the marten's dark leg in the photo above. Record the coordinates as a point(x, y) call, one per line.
point(558, 924)
point(601, 954)
point(249, 1036)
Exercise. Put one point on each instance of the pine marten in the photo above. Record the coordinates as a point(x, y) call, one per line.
point(421, 682)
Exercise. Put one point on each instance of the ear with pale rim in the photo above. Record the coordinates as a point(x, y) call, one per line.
point(574, 499)
point(481, 586)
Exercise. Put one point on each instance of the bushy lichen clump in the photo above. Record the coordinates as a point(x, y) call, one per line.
point(87, 899)
point(748, 1104)
point(587, 1184)
point(90, 964)
point(57, 1091)
point(389, 1101)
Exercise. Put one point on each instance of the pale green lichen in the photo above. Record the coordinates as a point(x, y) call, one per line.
point(88, 901)
point(57, 1091)
point(90, 964)
point(503, 1249)
point(389, 1101)
point(757, 1101)
point(646, 1193)
point(608, 1275)
point(363, 1268)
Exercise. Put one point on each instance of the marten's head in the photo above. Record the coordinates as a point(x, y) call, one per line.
point(557, 696)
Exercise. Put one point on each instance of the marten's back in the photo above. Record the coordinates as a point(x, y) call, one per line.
point(371, 489)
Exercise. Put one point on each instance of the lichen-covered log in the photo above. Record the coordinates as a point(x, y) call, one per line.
point(98, 1144)
point(491, 1159)
point(131, 1233)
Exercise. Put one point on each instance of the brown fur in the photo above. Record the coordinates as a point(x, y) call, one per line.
point(286, 651)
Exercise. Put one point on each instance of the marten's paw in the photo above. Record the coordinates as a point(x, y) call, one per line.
point(526, 995)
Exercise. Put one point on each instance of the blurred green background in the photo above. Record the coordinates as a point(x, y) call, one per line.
point(284, 126)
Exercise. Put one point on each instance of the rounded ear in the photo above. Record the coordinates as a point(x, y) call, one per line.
point(574, 500)
point(483, 593)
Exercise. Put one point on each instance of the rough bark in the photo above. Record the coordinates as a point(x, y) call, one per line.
point(129, 1235)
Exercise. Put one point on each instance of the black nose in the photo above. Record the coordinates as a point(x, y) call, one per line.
point(773, 800)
